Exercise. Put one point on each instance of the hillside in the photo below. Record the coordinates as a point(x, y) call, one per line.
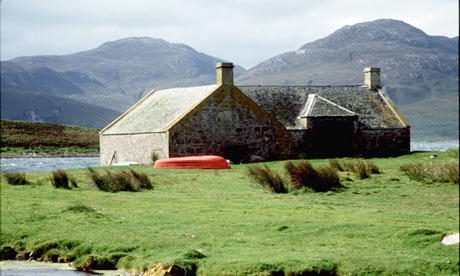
point(419, 72)
point(41, 107)
point(43, 138)
point(115, 74)
point(416, 69)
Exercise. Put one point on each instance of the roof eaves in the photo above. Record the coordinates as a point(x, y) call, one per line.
point(127, 111)
point(393, 108)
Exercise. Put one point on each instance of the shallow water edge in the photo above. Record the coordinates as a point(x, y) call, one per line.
point(33, 268)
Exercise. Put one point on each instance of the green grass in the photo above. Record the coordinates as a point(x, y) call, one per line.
point(222, 222)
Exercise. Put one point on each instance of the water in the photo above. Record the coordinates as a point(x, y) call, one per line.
point(53, 163)
point(47, 164)
point(32, 268)
point(433, 146)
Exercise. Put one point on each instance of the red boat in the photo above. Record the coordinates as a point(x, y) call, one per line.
point(193, 162)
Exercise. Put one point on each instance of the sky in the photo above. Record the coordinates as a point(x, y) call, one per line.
point(245, 32)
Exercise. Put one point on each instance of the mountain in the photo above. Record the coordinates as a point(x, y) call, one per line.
point(419, 71)
point(40, 107)
point(115, 74)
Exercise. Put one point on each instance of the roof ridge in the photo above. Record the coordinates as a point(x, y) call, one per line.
point(326, 85)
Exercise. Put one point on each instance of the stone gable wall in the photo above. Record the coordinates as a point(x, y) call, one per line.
point(230, 120)
point(133, 147)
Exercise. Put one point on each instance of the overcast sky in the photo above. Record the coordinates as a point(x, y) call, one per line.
point(245, 32)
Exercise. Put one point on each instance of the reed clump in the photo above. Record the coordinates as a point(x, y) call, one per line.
point(60, 179)
point(131, 180)
point(268, 178)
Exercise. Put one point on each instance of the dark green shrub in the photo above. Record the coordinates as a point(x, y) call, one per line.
point(15, 178)
point(268, 178)
point(322, 179)
point(335, 164)
point(60, 179)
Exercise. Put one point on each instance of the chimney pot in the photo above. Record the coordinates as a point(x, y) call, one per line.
point(372, 77)
point(224, 73)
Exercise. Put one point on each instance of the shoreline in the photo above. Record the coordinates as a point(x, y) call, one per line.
point(39, 266)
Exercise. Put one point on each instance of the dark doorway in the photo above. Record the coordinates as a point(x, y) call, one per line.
point(236, 153)
point(333, 138)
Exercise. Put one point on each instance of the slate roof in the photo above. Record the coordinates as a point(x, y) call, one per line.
point(317, 106)
point(158, 110)
point(285, 103)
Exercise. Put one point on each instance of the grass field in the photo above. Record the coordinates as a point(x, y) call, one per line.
point(222, 222)
point(20, 138)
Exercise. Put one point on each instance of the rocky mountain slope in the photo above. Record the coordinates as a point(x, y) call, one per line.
point(115, 74)
point(416, 69)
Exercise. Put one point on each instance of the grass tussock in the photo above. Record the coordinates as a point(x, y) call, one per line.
point(81, 208)
point(15, 178)
point(373, 167)
point(432, 172)
point(154, 156)
point(131, 181)
point(60, 179)
point(142, 178)
point(321, 179)
point(335, 164)
point(362, 168)
point(268, 178)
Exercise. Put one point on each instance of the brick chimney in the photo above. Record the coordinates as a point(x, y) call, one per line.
point(224, 73)
point(372, 77)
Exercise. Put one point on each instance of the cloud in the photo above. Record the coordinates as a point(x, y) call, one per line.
point(245, 32)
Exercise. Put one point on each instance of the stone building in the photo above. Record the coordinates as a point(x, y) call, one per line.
point(263, 122)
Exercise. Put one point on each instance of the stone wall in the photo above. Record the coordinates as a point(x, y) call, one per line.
point(384, 142)
point(133, 147)
point(229, 124)
point(302, 139)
